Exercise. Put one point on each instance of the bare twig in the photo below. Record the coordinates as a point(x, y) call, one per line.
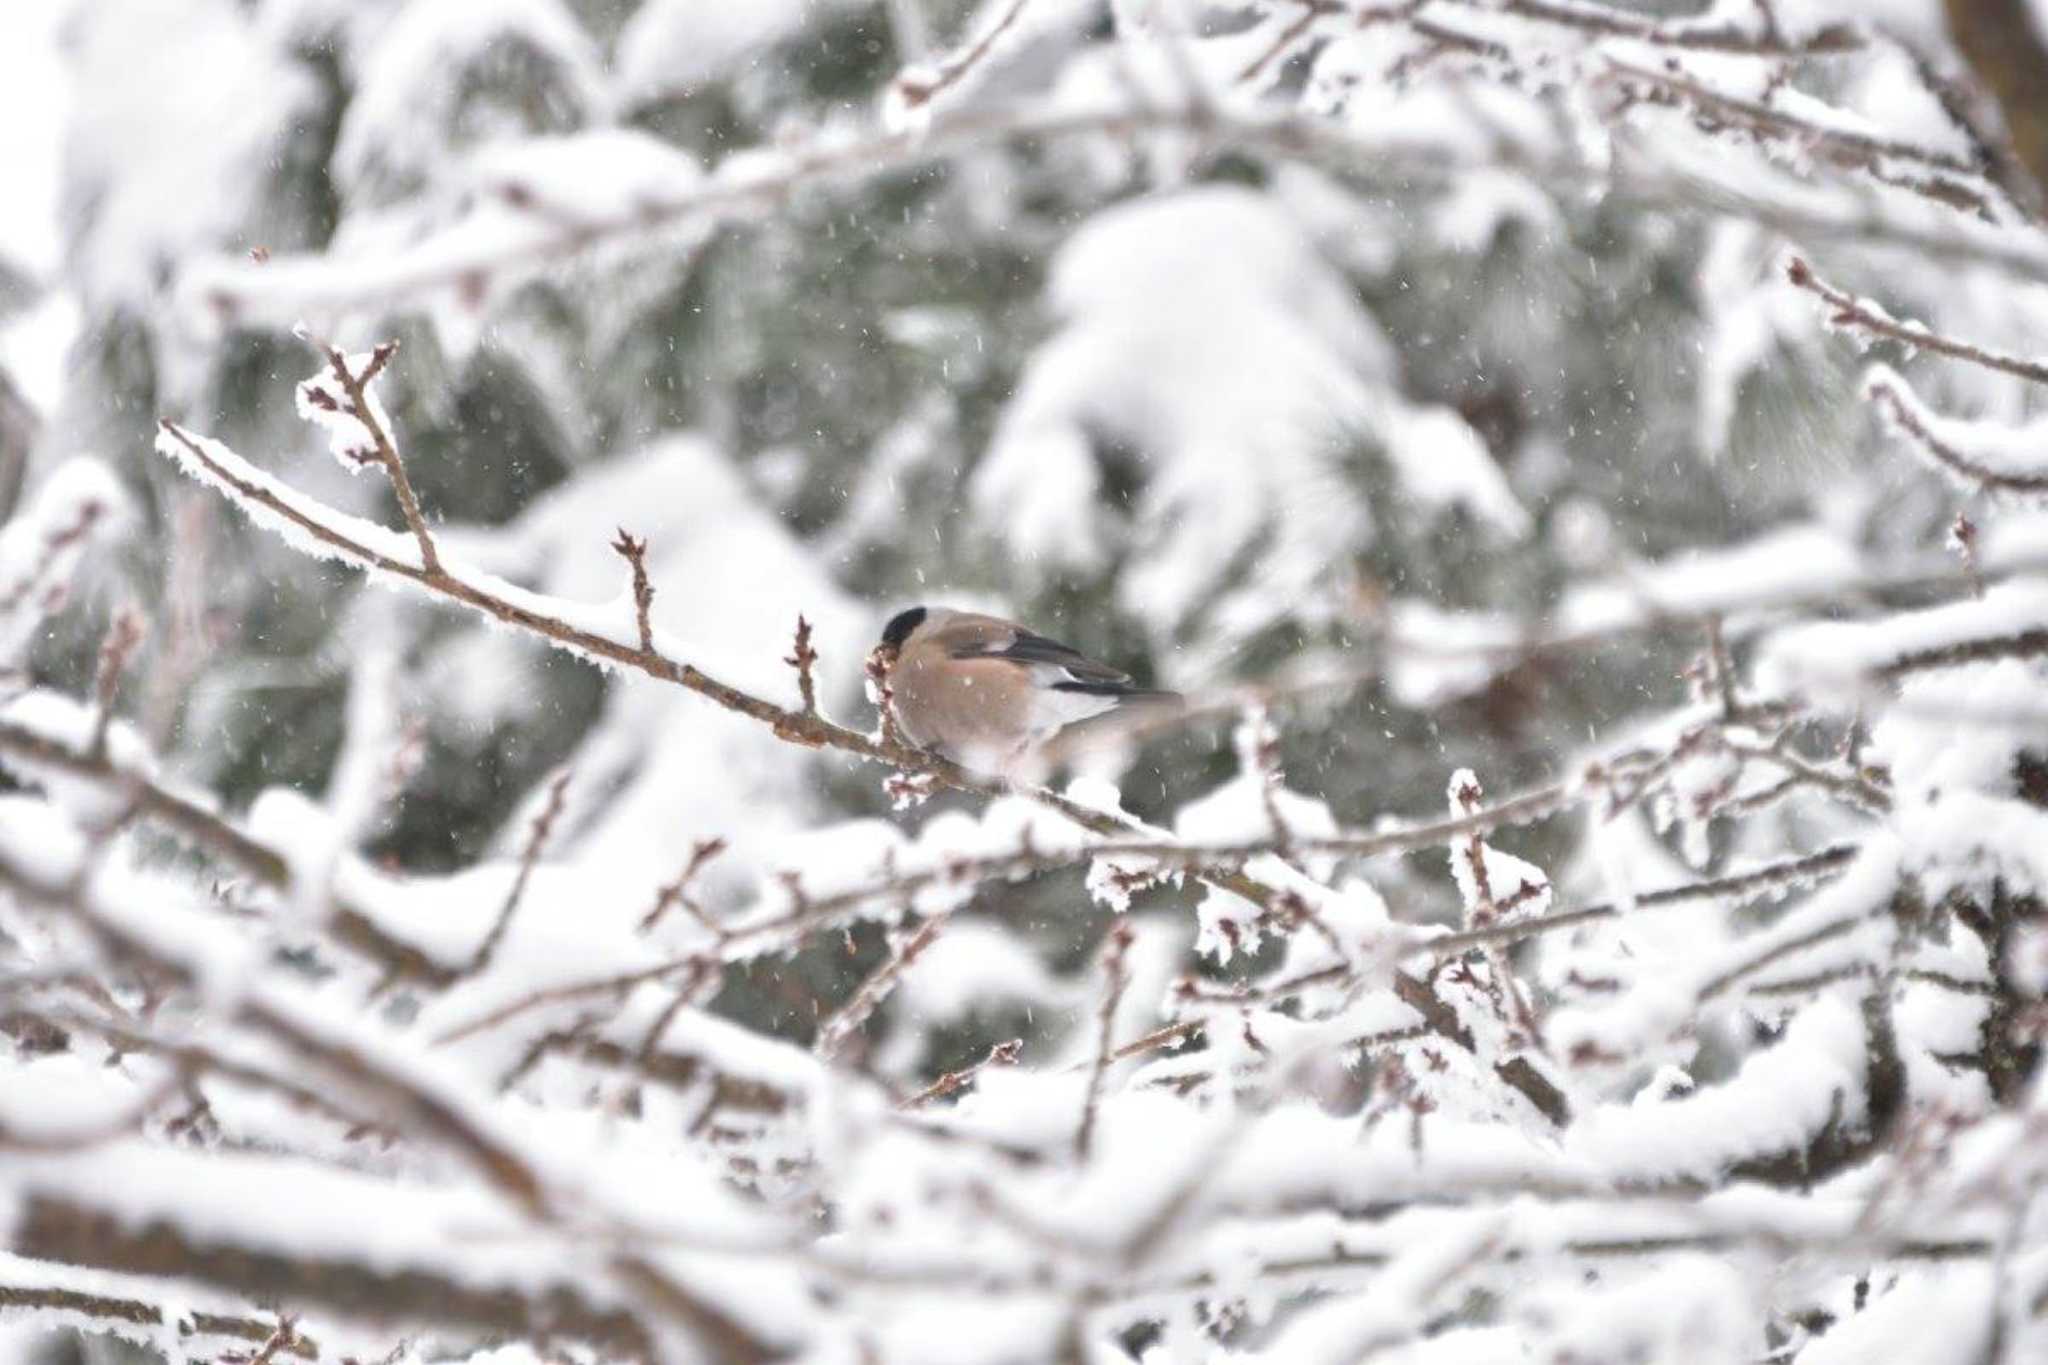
point(803, 658)
point(677, 892)
point(1307, 13)
point(1776, 953)
point(635, 553)
point(837, 1031)
point(1720, 670)
point(1002, 1054)
point(124, 633)
point(536, 839)
point(1115, 979)
point(916, 89)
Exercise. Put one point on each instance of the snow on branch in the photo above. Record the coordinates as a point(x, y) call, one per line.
point(548, 200)
point(1986, 456)
point(1849, 312)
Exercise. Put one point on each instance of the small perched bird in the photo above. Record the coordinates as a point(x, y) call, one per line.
point(987, 693)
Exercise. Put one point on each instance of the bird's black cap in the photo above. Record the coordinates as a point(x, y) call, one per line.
point(900, 625)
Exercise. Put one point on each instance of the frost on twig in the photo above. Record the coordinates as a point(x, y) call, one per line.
point(882, 696)
point(359, 429)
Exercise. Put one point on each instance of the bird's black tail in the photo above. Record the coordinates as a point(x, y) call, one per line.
point(1122, 692)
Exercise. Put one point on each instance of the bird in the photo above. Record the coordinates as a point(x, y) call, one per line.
point(988, 693)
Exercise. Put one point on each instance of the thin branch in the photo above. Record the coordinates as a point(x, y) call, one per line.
point(80, 1233)
point(1602, 21)
point(1720, 670)
point(1290, 33)
point(635, 553)
point(915, 90)
point(124, 633)
point(1853, 788)
point(1962, 535)
point(33, 585)
point(1159, 1038)
point(837, 1031)
point(1115, 979)
point(803, 658)
point(357, 389)
point(1904, 416)
point(2031, 643)
point(123, 1315)
point(677, 892)
point(296, 287)
point(536, 839)
point(1845, 148)
point(1778, 952)
point(883, 694)
point(1865, 315)
point(1002, 1054)
point(1736, 888)
point(285, 1333)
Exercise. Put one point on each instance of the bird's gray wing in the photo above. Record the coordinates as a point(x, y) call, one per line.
point(1028, 647)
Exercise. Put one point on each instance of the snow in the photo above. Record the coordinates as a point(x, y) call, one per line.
point(1253, 379)
point(35, 101)
point(283, 1204)
point(1748, 325)
point(1292, 1125)
point(35, 348)
point(324, 401)
point(1780, 1098)
point(71, 725)
point(402, 117)
point(40, 841)
point(671, 47)
point(1833, 656)
point(972, 967)
point(1919, 1316)
point(78, 508)
point(1670, 988)
point(159, 169)
point(1488, 879)
point(588, 178)
point(1789, 563)
point(2001, 451)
